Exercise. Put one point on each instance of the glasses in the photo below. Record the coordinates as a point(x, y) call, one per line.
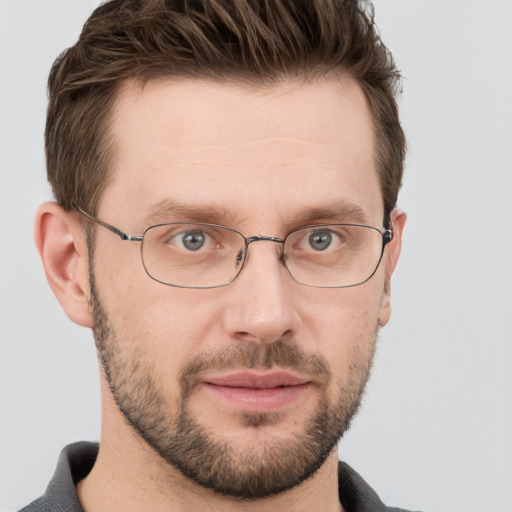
point(196, 255)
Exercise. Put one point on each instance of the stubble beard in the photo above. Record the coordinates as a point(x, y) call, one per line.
point(260, 470)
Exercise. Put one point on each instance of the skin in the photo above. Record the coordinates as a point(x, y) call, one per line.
point(252, 159)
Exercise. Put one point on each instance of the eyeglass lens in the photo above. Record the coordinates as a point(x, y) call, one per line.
point(204, 256)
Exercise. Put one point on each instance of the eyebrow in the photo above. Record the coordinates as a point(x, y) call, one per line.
point(173, 209)
point(338, 212)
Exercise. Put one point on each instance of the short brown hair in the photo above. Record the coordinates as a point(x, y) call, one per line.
point(252, 42)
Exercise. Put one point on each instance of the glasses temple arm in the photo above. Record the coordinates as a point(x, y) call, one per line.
point(118, 232)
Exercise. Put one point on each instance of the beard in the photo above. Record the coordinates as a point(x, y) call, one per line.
point(259, 470)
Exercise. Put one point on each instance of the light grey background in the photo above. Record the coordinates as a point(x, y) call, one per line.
point(435, 432)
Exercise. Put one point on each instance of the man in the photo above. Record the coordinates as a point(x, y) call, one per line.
point(226, 175)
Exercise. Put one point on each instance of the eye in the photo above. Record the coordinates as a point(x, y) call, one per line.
point(191, 240)
point(320, 240)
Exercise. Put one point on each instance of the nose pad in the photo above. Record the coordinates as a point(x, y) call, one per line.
point(239, 258)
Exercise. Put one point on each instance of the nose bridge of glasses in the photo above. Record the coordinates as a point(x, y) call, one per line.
point(252, 239)
point(258, 238)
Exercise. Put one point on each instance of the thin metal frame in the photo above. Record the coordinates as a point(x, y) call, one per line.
point(387, 236)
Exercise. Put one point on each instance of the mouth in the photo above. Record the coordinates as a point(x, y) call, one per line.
point(258, 393)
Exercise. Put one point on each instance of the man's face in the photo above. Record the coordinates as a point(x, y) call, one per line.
point(245, 388)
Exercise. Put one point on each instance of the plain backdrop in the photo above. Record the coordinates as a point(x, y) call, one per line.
point(435, 432)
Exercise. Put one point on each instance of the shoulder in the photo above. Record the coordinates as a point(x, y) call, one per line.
point(356, 495)
point(75, 462)
point(39, 505)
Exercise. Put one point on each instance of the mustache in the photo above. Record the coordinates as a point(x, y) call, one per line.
point(284, 354)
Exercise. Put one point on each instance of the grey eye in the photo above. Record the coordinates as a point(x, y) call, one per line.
point(193, 240)
point(320, 240)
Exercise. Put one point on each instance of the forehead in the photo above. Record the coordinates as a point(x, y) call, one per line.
point(266, 151)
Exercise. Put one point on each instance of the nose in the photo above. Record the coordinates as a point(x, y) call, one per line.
point(262, 305)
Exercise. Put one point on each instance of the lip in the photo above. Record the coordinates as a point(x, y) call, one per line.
point(257, 380)
point(258, 393)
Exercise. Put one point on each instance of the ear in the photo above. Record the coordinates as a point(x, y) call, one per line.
point(60, 240)
point(391, 255)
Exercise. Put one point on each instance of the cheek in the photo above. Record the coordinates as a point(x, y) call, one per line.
point(342, 327)
point(165, 325)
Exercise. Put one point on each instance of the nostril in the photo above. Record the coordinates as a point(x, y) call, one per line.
point(286, 334)
point(249, 337)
